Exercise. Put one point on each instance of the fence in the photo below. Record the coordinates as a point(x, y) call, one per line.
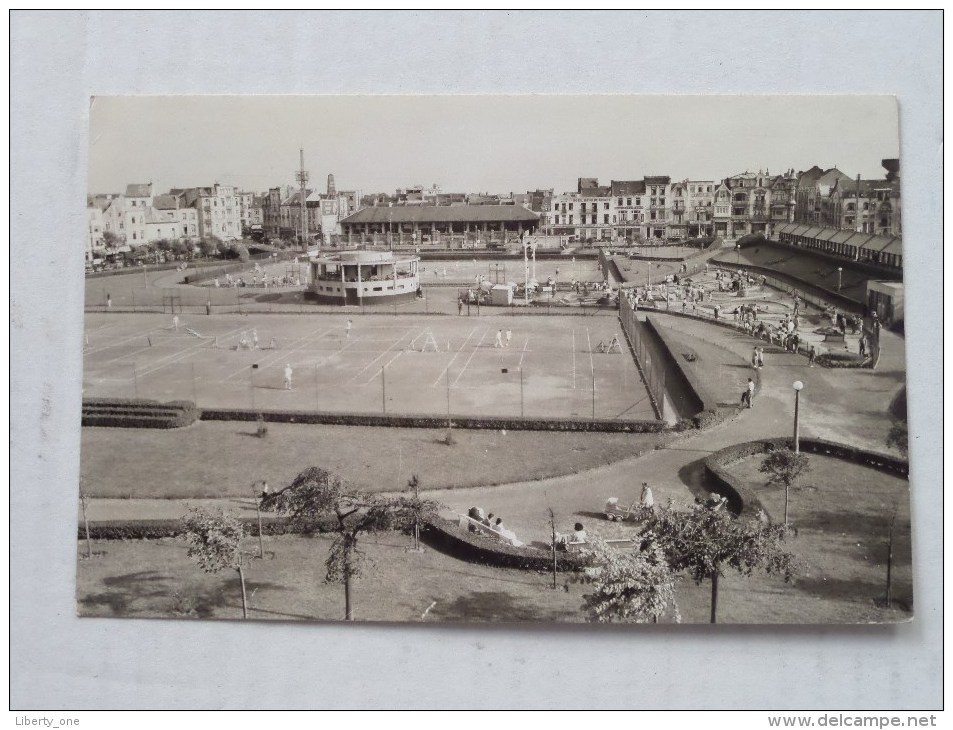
point(648, 356)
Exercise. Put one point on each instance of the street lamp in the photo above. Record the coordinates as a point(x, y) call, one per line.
point(839, 270)
point(798, 386)
point(738, 254)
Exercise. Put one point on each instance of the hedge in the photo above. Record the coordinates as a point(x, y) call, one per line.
point(476, 548)
point(511, 423)
point(155, 529)
point(743, 500)
point(138, 413)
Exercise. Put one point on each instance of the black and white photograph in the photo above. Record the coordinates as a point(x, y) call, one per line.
point(472, 358)
point(493, 360)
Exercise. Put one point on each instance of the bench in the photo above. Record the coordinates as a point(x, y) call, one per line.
point(465, 522)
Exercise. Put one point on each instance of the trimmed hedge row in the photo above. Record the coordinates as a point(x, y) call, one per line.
point(475, 548)
point(512, 423)
point(743, 500)
point(138, 413)
point(155, 529)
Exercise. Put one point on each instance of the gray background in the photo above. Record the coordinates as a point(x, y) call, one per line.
point(59, 59)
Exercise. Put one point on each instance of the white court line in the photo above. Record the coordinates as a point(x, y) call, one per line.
point(574, 359)
point(123, 341)
point(467, 363)
point(455, 356)
point(382, 355)
point(386, 364)
point(173, 358)
point(592, 364)
point(523, 353)
point(282, 352)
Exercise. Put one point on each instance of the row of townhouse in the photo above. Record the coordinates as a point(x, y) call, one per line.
point(281, 212)
point(750, 202)
point(651, 208)
point(830, 198)
point(141, 216)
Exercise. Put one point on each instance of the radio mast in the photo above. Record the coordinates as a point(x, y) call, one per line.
point(302, 178)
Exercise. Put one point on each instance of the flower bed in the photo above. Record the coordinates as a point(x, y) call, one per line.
point(155, 529)
point(138, 413)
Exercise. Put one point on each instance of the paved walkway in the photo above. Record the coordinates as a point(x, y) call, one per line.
point(847, 405)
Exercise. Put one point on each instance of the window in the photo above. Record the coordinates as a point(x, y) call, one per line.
point(134, 220)
point(605, 206)
point(619, 201)
point(638, 201)
point(605, 218)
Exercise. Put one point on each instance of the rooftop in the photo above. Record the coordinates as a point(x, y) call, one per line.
point(443, 214)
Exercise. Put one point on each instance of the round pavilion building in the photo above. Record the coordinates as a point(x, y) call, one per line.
point(364, 277)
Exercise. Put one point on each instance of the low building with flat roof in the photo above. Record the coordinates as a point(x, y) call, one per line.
point(364, 277)
point(414, 225)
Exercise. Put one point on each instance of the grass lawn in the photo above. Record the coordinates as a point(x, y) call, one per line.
point(153, 579)
point(842, 513)
point(222, 459)
point(156, 579)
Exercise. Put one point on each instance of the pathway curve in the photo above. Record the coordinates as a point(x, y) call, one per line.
point(850, 406)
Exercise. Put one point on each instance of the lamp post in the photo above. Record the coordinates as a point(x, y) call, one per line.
point(738, 254)
point(839, 270)
point(798, 386)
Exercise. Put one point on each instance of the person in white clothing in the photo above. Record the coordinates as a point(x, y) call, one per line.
point(288, 373)
point(646, 499)
point(499, 339)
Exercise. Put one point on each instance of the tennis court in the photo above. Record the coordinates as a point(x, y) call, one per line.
point(549, 366)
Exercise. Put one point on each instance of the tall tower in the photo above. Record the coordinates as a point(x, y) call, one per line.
point(331, 189)
point(302, 178)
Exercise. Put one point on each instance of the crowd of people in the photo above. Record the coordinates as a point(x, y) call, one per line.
point(259, 278)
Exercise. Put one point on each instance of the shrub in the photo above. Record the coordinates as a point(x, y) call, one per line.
point(156, 529)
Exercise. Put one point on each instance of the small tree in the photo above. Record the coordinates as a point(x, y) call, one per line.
point(703, 542)
point(316, 494)
point(629, 585)
point(112, 240)
point(215, 544)
point(208, 247)
point(898, 437)
point(783, 467)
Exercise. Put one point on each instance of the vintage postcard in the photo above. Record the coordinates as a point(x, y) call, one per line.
point(495, 359)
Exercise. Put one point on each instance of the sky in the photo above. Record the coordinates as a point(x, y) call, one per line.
point(474, 143)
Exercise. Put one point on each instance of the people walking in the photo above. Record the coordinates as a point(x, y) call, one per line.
point(288, 373)
point(175, 322)
point(347, 329)
point(812, 356)
point(509, 336)
point(499, 339)
point(748, 395)
point(760, 351)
